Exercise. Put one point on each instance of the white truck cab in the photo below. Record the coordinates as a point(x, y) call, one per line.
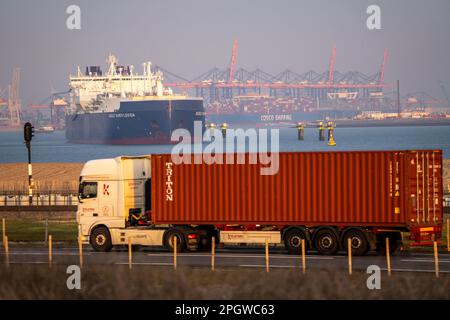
point(115, 205)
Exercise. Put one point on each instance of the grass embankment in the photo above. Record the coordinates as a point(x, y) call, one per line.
point(26, 230)
point(118, 282)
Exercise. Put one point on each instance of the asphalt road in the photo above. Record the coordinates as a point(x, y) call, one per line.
point(230, 257)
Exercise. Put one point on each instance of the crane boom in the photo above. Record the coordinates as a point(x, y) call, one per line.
point(444, 91)
point(233, 62)
point(331, 66)
point(383, 66)
point(14, 100)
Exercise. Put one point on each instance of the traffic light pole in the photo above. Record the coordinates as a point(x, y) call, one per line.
point(30, 176)
point(28, 135)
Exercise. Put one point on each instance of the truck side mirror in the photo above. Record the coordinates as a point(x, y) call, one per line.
point(80, 190)
point(79, 198)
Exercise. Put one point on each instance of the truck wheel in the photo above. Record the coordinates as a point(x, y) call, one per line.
point(205, 238)
point(175, 235)
point(359, 243)
point(293, 241)
point(101, 239)
point(326, 242)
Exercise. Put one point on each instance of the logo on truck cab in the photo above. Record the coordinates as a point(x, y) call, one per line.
point(169, 182)
point(106, 189)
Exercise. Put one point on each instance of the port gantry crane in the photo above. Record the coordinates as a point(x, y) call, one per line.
point(233, 62)
point(217, 82)
point(331, 66)
point(56, 99)
point(383, 67)
point(444, 92)
point(14, 100)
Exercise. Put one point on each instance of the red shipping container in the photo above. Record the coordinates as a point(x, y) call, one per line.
point(349, 188)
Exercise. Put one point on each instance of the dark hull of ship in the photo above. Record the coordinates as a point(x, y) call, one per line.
point(136, 122)
point(259, 119)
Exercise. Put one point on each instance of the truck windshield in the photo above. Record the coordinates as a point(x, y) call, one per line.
point(88, 190)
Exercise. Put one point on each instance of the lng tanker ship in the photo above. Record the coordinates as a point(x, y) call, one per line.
point(122, 107)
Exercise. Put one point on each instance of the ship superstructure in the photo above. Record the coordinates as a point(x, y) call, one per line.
point(123, 107)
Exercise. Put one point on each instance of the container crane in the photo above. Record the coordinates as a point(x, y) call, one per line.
point(14, 100)
point(331, 66)
point(233, 62)
point(444, 91)
point(383, 67)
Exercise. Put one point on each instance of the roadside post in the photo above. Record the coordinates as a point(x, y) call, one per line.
point(267, 255)
point(6, 251)
point(448, 235)
point(80, 249)
point(130, 257)
point(349, 250)
point(213, 253)
point(174, 252)
point(303, 257)
point(436, 259)
point(388, 257)
point(50, 253)
point(3, 230)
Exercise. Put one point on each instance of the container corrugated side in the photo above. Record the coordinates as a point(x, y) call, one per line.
point(370, 188)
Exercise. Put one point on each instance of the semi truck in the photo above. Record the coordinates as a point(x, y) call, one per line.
point(324, 198)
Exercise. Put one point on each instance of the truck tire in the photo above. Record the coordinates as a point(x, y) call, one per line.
point(101, 239)
point(359, 242)
point(173, 234)
point(326, 241)
point(205, 238)
point(293, 241)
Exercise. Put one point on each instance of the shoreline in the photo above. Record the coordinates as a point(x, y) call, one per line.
point(343, 123)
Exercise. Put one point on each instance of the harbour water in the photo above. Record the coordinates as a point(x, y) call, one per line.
point(53, 147)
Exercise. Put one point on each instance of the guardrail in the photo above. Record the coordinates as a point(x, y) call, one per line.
point(69, 198)
point(53, 198)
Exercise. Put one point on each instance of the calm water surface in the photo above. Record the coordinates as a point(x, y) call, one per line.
point(52, 147)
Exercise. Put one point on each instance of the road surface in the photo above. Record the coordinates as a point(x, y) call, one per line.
point(230, 257)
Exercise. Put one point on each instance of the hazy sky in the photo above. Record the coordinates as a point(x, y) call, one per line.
point(188, 37)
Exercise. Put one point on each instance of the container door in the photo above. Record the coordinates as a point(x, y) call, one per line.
point(425, 187)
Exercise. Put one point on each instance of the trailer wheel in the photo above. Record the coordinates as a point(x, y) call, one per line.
point(293, 241)
point(358, 240)
point(326, 241)
point(175, 235)
point(101, 239)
